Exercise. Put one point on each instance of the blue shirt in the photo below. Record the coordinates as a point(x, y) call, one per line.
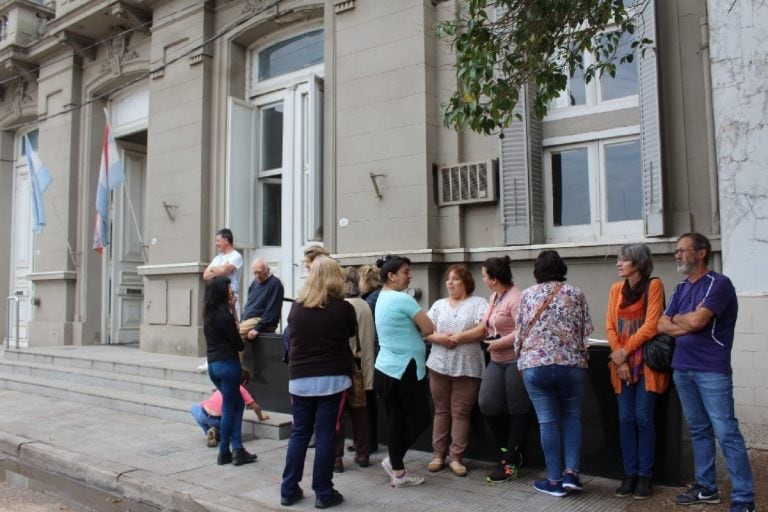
point(707, 350)
point(399, 338)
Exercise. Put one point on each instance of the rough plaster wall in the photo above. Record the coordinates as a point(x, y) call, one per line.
point(739, 57)
point(739, 66)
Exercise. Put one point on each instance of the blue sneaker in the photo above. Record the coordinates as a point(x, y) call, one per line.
point(549, 487)
point(742, 507)
point(698, 494)
point(571, 481)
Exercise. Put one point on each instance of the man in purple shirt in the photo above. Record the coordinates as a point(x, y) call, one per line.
point(702, 316)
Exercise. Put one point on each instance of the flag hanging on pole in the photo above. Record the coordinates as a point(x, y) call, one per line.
point(40, 178)
point(111, 174)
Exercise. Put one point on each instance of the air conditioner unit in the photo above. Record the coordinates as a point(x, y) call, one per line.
point(467, 183)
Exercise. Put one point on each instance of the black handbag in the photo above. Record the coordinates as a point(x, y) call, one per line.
point(657, 351)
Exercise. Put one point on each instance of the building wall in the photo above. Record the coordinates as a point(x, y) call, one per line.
point(738, 51)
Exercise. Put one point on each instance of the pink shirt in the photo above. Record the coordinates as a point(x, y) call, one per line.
point(213, 404)
point(500, 319)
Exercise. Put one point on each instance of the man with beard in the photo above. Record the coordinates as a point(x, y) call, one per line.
point(702, 316)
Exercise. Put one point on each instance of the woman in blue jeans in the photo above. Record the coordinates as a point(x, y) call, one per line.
point(223, 346)
point(552, 343)
point(635, 305)
point(319, 368)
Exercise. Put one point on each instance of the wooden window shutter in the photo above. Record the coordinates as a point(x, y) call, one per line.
point(240, 205)
point(522, 199)
point(650, 128)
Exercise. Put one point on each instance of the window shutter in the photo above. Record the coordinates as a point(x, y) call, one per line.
point(650, 128)
point(241, 172)
point(521, 179)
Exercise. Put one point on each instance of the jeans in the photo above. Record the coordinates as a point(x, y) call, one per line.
point(707, 400)
point(453, 398)
point(225, 375)
point(203, 419)
point(322, 415)
point(556, 393)
point(637, 431)
point(407, 404)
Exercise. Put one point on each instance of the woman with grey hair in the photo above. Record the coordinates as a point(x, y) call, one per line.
point(635, 305)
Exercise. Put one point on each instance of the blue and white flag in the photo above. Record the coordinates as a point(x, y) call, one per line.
point(111, 174)
point(40, 178)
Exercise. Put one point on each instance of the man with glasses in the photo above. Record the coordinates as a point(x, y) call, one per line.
point(265, 300)
point(702, 316)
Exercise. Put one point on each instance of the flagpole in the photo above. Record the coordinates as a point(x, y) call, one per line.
point(135, 221)
point(64, 234)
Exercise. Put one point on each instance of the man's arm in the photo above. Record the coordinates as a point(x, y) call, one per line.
point(218, 270)
point(273, 308)
point(683, 323)
point(694, 321)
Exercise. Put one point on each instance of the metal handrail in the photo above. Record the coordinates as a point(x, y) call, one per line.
point(8, 321)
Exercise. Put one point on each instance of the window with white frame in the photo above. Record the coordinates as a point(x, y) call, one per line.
point(602, 92)
point(594, 190)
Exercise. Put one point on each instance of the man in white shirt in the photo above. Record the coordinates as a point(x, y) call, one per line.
point(228, 263)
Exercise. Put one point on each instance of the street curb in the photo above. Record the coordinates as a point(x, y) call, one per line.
point(135, 484)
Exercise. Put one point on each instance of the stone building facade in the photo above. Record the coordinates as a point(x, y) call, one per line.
point(297, 122)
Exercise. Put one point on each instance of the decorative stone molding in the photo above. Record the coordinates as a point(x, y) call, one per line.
point(118, 51)
point(197, 58)
point(254, 6)
point(343, 6)
point(82, 46)
point(133, 16)
point(15, 95)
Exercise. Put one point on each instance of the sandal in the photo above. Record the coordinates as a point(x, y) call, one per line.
point(435, 465)
point(458, 468)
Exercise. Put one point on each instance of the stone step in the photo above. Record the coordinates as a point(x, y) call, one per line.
point(118, 360)
point(182, 390)
point(277, 427)
point(123, 379)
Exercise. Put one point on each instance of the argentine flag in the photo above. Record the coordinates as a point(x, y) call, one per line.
point(40, 178)
point(111, 174)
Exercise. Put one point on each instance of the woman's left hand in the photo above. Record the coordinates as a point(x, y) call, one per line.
point(623, 372)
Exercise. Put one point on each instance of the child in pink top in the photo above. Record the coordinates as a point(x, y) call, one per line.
point(207, 413)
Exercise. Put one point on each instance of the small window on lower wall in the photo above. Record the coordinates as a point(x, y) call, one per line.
point(594, 191)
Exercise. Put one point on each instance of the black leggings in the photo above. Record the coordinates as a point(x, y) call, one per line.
point(407, 404)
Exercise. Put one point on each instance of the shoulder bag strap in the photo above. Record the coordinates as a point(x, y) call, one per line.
point(541, 310)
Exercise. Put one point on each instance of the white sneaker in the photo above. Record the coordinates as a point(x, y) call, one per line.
point(203, 367)
point(406, 480)
point(388, 467)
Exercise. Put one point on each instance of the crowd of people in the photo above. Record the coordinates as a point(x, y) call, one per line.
point(519, 352)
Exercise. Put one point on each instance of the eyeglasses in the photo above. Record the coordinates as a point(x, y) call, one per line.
point(681, 251)
point(259, 272)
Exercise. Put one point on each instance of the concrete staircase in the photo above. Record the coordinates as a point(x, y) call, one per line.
point(122, 378)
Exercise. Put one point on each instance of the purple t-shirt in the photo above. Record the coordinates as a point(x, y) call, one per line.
point(707, 350)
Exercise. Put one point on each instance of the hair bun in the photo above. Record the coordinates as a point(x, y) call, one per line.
point(380, 262)
point(505, 260)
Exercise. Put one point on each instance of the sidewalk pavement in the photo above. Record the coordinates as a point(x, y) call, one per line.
point(167, 464)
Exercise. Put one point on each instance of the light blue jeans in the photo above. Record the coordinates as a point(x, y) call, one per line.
point(556, 393)
point(707, 400)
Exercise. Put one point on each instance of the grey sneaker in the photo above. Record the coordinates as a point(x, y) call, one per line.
point(698, 494)
point(406, 480)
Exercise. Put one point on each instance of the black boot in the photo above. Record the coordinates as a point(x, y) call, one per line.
point(627, 487)
point(224, 458)
point(643, 488)
point(240, 456)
